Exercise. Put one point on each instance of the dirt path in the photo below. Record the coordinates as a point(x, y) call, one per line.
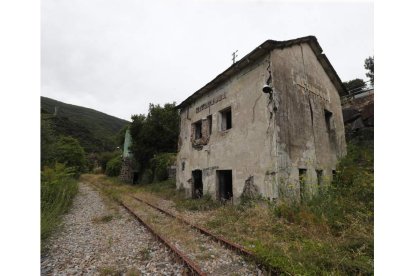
point(99, 238)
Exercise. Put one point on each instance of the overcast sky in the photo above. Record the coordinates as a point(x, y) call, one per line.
point(119, 56)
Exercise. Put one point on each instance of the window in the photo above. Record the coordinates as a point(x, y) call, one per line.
point(183, 165)
point(226, 119)
point(210, 124)
point(197, 130)
point(319, 177)
point(302, 181)
point(328, 116)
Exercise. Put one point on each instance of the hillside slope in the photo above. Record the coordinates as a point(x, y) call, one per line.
point(95, 130)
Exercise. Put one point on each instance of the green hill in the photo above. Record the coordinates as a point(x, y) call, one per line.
point(96, 131)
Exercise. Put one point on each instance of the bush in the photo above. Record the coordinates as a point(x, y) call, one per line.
point(344, 209)
point(113, 168)
point(69, 151)
point(147, 177)
point(58, 188)
point(104, 158)
point(160, 163)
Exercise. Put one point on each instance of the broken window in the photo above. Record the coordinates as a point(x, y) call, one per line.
point(302, 182)
point(183, 165)
point(197, 130)
point(210, 124)
point(328, 117)
point(226, 119)
point(225, 185)
point(319, 174)
point(197, 184)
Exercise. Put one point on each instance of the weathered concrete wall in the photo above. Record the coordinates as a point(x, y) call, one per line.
point(245, 148)
point(304, 92)
point(272, 136)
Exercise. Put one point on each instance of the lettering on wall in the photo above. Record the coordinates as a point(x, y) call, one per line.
point(311, 88)
point(210, 103)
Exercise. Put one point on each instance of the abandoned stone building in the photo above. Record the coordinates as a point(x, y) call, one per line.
point(270, 125)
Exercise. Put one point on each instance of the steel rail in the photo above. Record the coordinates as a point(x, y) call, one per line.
point(193, 267)
point(230, 245)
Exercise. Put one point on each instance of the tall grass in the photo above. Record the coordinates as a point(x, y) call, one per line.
point(58, 188)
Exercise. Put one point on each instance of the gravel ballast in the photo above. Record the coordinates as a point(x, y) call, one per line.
point(98, 238)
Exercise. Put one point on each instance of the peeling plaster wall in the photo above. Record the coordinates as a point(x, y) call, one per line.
point(271, 135)
point(304, 91)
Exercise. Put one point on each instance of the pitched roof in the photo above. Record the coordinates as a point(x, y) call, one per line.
point(261, 50)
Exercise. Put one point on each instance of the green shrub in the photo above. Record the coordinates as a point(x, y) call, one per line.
point(147, 177)
point(58, 188)
point(160, 163)
point(69, 151)
point(344, 209)
point(113, 168)
point(104, 158)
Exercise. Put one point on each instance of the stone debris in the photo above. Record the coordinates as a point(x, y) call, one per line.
point(120, 246)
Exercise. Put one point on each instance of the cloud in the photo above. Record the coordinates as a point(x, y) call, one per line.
point(119, 56)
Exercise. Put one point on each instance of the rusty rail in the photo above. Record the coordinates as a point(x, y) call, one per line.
point(193, 267)
point(230, 245)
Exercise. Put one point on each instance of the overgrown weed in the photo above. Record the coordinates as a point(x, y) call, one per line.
point(58, 188)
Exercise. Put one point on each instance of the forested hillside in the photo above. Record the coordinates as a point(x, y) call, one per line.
point(95, 131)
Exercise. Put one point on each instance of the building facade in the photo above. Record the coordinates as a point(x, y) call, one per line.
point(271, 124)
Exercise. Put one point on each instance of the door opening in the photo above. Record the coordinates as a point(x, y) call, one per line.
point(225, 185)
point(197, 184)
point(135, 178)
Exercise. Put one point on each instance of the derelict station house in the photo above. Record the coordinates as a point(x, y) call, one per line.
point(271, 123)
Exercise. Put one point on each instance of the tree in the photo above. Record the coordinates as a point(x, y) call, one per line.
point(155, 133)
point(369, 65)
point(69, 151)
point(113, 168)
point(355, 85)
point(47, 140)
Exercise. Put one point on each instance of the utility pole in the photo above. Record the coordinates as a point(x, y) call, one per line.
point(234, 56)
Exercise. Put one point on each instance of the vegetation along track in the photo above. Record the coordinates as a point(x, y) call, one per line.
point(205, 253)
point(192, 267)
point(203, 256)
point(228, 244)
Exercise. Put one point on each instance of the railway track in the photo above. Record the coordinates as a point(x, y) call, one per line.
point(191, 261)
point(228, 244)
point(193, 268)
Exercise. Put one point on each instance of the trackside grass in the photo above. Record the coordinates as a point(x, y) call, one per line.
point(329, 234)
point(58, 188)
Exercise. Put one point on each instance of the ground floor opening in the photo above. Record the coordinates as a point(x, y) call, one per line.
point(224, 185)
point(197, 184)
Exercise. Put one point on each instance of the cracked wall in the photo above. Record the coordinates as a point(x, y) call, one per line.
point(272, 135)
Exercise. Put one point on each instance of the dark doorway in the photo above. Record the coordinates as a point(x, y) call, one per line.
point(197, 184)
point(225, 185)
point(135, 178)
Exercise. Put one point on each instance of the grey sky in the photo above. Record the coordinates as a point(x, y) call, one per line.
point(119, 56)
